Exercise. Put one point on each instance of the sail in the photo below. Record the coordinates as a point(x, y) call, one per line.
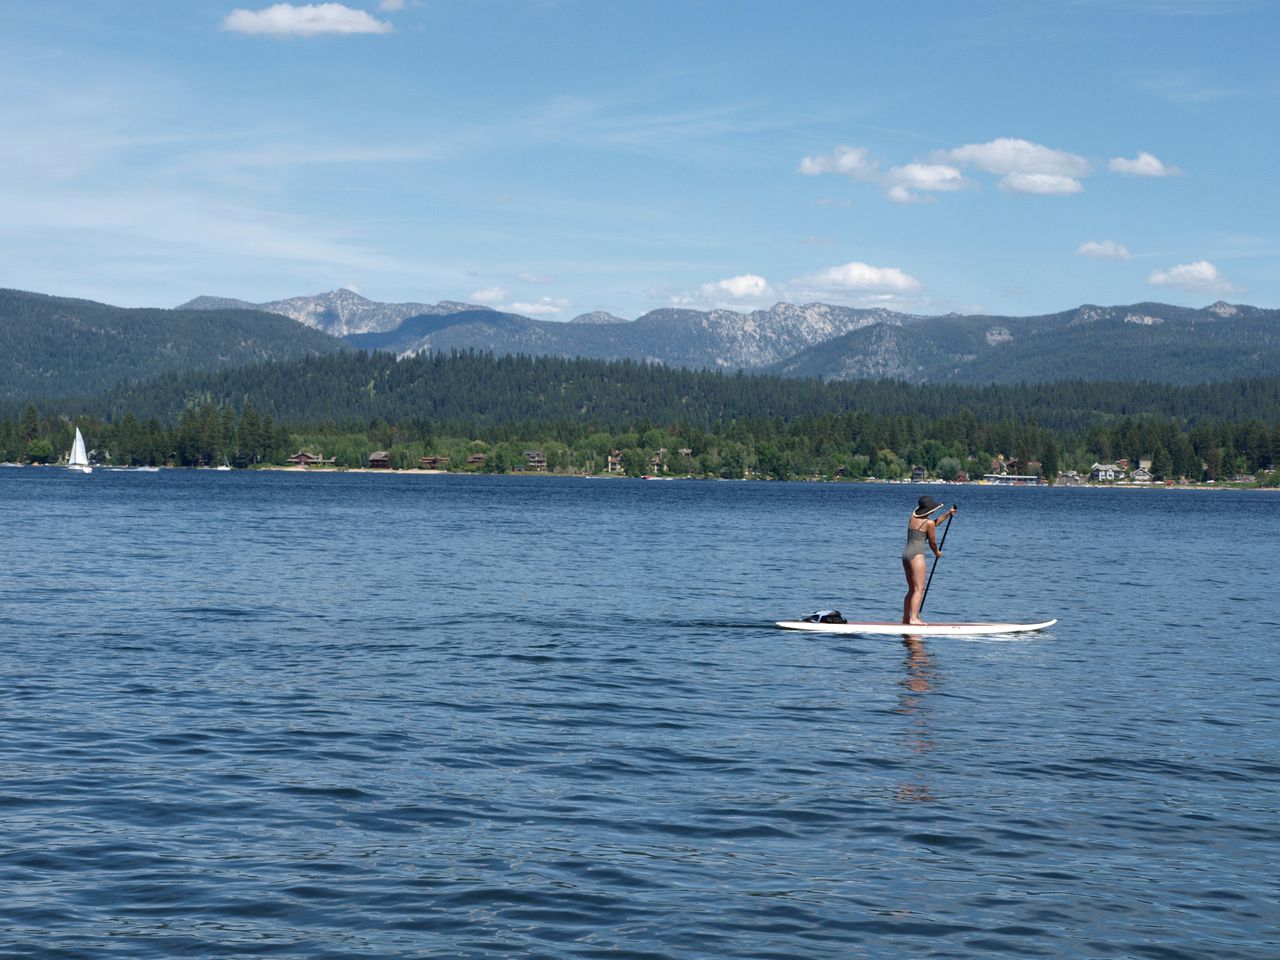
point(78, 456)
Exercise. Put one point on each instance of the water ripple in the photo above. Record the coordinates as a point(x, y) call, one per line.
point(376, 718)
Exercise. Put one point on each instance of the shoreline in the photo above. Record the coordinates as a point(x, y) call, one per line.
point(414, 471)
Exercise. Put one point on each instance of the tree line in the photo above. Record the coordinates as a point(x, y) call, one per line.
point(355, 388)
point(833, 445)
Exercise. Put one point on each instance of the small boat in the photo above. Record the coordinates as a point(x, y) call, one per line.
point(79, 459)
point(225, 465)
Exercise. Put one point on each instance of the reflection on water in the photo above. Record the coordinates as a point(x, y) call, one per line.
point(913, 704)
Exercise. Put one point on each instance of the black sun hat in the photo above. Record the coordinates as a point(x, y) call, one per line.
point(926, 506)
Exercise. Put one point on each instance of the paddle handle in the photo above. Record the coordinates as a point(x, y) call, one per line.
point(934, 568)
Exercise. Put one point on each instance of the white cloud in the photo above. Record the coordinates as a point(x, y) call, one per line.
point(851, 161)
point(307, 20)
point(1104, 250)
point(900, 194)
point(1199, 277)
point(926, 176)
point(543, 306)
point(900, 183)
point(1011, 155)
point(747, 286)
point(1044, 184)
point(489, 296)
point(1025, 167)
point(1143, 165)
point(861, 276)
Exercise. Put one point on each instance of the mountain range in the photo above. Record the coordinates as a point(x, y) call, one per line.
point(57, 346)
point(338, 313)
point(1144, 341)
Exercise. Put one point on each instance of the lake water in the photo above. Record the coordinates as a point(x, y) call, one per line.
point(359, 716)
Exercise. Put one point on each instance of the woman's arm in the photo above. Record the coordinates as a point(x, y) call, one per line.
point(933, 526)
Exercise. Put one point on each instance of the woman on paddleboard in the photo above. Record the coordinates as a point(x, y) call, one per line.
point(920, 532)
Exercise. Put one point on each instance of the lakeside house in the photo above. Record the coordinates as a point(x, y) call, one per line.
point(917, 474)
point(614, 464)
point(477, 460)
point(433, 463)
point(1106, 472)
point(1069, 478)
point(535, 460)
point(305, 459)
point(379, 460)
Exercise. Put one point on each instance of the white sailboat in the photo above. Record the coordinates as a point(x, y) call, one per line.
point(79, 459)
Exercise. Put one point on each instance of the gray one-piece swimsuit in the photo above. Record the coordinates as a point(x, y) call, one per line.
point(917, 540)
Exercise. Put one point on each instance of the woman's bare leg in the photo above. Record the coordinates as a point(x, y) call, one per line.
point(906, 600)
point(915, 595)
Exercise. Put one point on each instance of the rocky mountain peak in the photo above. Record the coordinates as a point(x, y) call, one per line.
point(344, 295)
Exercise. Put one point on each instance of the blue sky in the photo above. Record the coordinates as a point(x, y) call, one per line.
point(554, 157)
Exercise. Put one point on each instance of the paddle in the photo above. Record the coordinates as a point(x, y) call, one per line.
point(934, 568)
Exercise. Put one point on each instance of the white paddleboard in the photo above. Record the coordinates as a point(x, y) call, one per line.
point(926, 630)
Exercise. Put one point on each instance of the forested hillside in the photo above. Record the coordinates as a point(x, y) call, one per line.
point(55, 346)
point(358, 387)
point(1145, 341)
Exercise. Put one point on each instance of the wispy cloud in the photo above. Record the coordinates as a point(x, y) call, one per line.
point(852, 162)
point(1185, 85)
point(1143, 165)
point(489, 296)
point(1104, 250)
point(542, 307)
point(1172, 8)
point(307, 20)
point(499, 299)
point(901, 184)
point(1198, 277)
point(1044, 184)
